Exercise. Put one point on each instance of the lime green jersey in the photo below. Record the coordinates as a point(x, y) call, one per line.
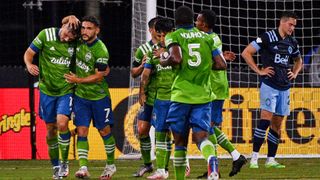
point(219, 79)
point(54, 61)
point(163, 76)
point(88, 56)
point(142, 51)
point(192, 82)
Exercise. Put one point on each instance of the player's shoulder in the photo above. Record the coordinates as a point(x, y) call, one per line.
point(50, 34)
point(145, 47)
point(271, 36)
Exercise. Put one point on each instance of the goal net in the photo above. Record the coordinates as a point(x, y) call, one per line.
point(238, 23)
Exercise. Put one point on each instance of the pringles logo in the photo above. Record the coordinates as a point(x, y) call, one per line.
point(14, 122)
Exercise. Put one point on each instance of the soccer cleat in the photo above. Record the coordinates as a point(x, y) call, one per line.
point(253, 165)
point(82, 173)
point(159, 174)
point(143, 169)
point(213, 170)
point(109, 170)
point(64, 169)
point(188, 169)
point(274, 164)
point(237, 165)
point(55, 171)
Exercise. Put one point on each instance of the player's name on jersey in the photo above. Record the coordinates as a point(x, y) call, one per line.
point(190, 35)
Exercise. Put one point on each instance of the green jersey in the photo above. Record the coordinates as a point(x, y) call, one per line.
point(192, 82)
point(219, 79)
point(54, 61)
point(163, 76)
point(88, 57)
point(142, 51)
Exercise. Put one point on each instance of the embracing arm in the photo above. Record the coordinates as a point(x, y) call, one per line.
point(171, 58)
point(143, 84)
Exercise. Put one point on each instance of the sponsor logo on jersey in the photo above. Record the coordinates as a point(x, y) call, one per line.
point(161, 68)
point(281, 60)
point(88, 56)
point(82, 66)
point(61, 61)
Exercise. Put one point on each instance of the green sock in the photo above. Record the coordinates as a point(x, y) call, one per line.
point(168, 150)
point(53, 150)
point(207, 149)
point(213, 139)
point(64, 144)
point(109, 146)
point(161, 149)
point(223, 141)
point(83, 149)
point(145, 148)
point(180, 162)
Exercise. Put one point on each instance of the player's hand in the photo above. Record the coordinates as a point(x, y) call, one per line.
point(143, 60)
point(73, 22)
point(268, 71)
point(229, 55)
point(142, 98)
point(71, 78)
point(33, 69)
point(157, 52)
point(291, 75)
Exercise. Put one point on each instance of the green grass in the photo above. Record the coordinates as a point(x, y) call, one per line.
point(39, 169)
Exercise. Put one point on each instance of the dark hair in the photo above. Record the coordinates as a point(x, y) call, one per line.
point(184, 16)
point(164, 25)
point(288, 14)
point(209, 17)
point(91, 19)
point(152, 22)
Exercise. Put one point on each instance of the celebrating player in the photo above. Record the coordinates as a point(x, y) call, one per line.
point(277, 48)
point(219, 82)
point(92, 97)
point(55, 93)
point(191, 53)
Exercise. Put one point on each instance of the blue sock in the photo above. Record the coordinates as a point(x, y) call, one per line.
point(259, 134)
point(273, 143)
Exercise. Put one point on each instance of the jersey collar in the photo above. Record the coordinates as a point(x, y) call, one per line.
point(93, 42)
point(185, 26)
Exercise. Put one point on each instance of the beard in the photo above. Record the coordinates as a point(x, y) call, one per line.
point(87, 38)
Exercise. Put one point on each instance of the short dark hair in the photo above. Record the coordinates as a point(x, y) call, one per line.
point(184, 16)
point(288, 14)
point(164, 25)
point(209, 17)
point(153, 21)
point(94, 20)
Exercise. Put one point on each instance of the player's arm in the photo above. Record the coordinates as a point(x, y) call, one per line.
point(172, 57)
point(71, 20)
point(143, 85)
point(296, 68)
point(137, 68)
point(247, 55)
point(229, 55)
point(220, 62)
point(28, 59)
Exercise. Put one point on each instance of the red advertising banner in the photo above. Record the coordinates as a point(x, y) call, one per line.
point(15, 125)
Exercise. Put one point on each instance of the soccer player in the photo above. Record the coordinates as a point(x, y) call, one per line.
point(206, 22)
point(55, 52)
point(145, 113)
point(191, 53)
point(92, 96)
point(277, 48)
point(163, 77)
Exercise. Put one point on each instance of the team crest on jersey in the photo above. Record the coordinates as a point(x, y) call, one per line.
point(290, 49)
point(70, 51)
point(88, 56)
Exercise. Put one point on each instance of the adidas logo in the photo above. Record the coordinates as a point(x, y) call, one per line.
point(52, 48)
point(276, 47)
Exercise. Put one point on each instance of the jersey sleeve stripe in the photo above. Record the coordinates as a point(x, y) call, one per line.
point(145, 47)
point(50, 34)
point(54, 34)
point(255, 45)
point(149, 47)
point(275, 36)
point(47, 34)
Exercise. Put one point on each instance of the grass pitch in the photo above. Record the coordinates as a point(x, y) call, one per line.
point(41, 169)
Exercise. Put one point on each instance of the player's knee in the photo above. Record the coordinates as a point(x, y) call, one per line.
point(51, 131)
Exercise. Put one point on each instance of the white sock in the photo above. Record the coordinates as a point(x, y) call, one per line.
point(270, 159)
point(254, 157)
point(235, 155)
